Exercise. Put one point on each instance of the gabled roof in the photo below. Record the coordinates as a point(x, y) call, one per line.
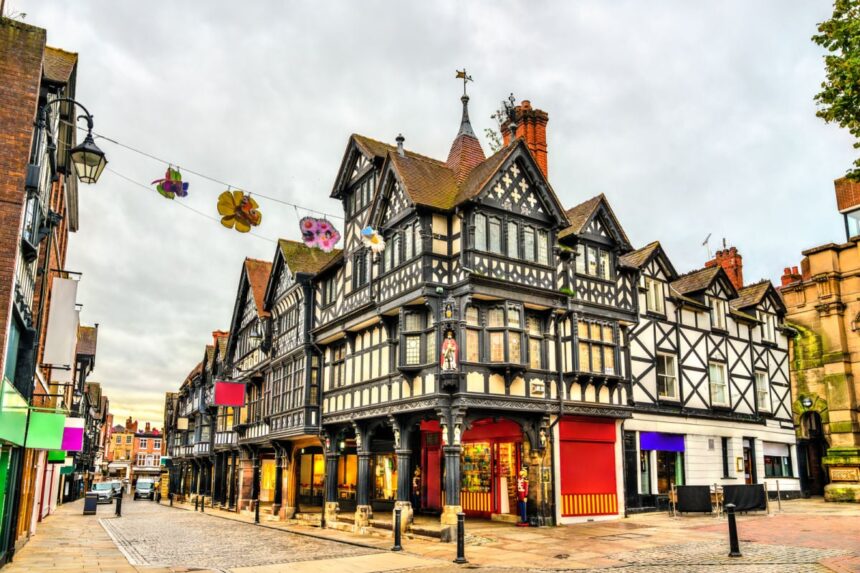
point(483, 173)
point(752, 295)
point(701, 279)
point(580, 215)
point(638, 258)
point(258, 276)
point(222, 346)
point(303, 259)
point(426, 181)
point(210, 355)
point(58, 65)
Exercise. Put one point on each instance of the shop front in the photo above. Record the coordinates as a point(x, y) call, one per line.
point(588, 461)
point(661, 463)
point(347, 478)
point(490, 460)
point(311, 472)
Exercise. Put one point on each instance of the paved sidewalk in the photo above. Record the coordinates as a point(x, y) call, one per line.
point(809, 536)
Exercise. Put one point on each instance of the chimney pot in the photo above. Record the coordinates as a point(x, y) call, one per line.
point(732, 263)
point(400, 139)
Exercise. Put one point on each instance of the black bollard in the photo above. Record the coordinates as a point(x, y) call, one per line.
point(196, 499)
point(461, 539)
point(734, 547)
point(202, 503)
point(397, 546)
point(170, 497)
point(257, 511)
point(119, 506)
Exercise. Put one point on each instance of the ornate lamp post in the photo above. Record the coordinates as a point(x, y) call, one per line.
point(88, 159)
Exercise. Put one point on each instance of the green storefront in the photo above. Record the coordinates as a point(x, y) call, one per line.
point(13, 424)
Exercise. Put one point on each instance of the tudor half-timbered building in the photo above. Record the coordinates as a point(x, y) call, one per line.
point(496, 332)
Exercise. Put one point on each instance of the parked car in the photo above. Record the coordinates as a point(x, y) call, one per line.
point(144, 488)
point(104, 489)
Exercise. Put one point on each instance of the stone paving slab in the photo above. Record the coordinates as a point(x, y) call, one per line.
point(362, 564)
point(154, 535)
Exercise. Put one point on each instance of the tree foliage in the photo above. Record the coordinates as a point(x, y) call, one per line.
point(839, 98)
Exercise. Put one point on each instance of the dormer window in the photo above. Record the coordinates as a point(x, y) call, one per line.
point(718, 313)
point(654, 295)
point(768, 326)
point(593, 261)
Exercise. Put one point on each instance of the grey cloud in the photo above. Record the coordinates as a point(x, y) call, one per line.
point(691, 117)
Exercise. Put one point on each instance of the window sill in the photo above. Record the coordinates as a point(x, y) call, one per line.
point(655, 314)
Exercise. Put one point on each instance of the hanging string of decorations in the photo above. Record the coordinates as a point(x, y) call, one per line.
point(238, 209)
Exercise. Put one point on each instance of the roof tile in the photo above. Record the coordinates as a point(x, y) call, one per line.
point(258, 277)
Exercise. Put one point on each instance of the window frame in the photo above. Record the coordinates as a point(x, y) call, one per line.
point(603, 261)
point(719, 312)
point(721, 367)
point(759, 392)
point(591, 343)
point(423, 332)
point(655, 295)
point(674, 376)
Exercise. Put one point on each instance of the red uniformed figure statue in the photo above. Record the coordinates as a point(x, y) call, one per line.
point(522, 497)
point(448, 360)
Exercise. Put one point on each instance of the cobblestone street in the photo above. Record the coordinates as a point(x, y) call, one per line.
point(808, 536)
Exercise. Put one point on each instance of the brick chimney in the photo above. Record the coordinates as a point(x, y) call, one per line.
point(216, 334)
point(790, 275)
point(531, 126)
point(732, 262)
point(147, 428)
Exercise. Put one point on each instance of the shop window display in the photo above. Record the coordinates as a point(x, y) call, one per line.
point(385, 477)
point(267, 481)
point(476, 467)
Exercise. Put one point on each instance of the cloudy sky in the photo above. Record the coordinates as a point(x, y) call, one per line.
point(692, 117)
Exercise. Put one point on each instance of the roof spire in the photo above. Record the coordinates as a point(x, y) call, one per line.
point(466, 150)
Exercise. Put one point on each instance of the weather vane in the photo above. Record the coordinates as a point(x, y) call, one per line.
point(462, 75)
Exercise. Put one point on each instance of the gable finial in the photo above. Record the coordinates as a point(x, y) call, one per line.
point(462, 75)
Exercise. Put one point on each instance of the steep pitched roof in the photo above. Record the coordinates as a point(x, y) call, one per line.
point(752, 295)
point(466, 152)
point(635, 259)
point(258, 277)
point(697, 280)
point(580, 215)
point(481, 174)
point(58, 64)
point(210, 354)
point(303, 259)
point(222, 346)
point(426, 181)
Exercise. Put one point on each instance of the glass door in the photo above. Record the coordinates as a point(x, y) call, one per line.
point(507, 465)
point(311, 479)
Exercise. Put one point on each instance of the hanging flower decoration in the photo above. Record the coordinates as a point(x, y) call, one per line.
point(319, 233)
point(171, 185)
point(372, 240)
point(238, 211)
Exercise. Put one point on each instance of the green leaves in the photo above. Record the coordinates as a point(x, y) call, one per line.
point(839, 99)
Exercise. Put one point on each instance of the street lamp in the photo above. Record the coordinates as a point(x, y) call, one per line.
point(88, 159)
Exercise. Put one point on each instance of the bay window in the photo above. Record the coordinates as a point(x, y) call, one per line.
point(529, 244)
point(338, 370)
point(419, 338)
point(473, 335)
point(480, 232)
point(535, 335)
point(513, 240)
point(596, 347)
point(504, 331)
point(717, 381)
point(495, 235)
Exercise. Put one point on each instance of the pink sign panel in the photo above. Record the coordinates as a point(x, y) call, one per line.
point(229, 394)
point(73, 435)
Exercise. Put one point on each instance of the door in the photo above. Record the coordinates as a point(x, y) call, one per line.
point(631, 471)
point(507, 458)
point(748, 479)
point(431, 474)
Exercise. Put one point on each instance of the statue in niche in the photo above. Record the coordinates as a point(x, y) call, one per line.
point(448, 360)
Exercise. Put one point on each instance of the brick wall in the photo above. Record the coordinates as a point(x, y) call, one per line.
point(21, 51)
